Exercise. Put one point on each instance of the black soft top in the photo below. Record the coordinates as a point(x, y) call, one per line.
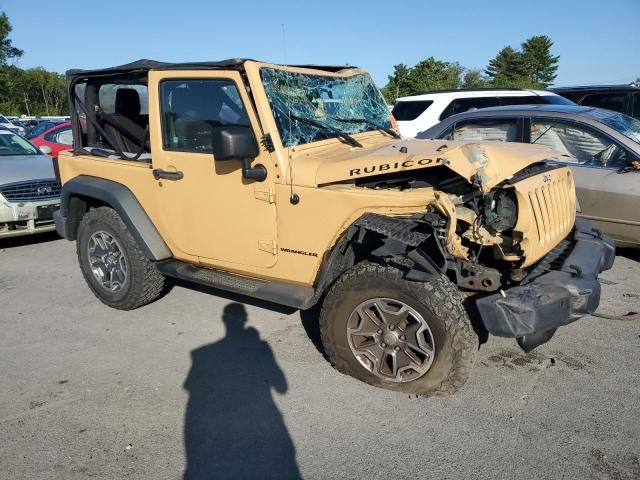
point(144, 65)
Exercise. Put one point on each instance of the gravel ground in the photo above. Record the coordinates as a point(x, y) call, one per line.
point(88, 391)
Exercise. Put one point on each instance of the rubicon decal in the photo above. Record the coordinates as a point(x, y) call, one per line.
point(383, 167)
point(298, 252)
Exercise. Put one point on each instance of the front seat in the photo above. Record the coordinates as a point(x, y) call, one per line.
point(122, 126)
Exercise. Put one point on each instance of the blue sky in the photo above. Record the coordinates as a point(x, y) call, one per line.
point(598, 41)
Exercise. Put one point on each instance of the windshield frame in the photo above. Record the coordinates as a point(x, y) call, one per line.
point(325, 136)
point(20, 140)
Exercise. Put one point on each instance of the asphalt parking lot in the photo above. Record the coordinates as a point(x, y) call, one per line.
point(87, 391)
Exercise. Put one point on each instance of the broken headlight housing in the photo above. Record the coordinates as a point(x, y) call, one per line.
point(500, 210)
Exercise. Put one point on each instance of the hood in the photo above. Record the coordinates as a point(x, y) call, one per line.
point(489, 162)
point(23, 168)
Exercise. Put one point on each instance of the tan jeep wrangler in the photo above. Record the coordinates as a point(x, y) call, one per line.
point(288, 184)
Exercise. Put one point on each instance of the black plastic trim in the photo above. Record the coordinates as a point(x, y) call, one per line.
point(532, 312)
point(282, 293)
point(122, 200)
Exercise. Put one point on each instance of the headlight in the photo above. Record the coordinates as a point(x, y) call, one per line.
point(500, 210)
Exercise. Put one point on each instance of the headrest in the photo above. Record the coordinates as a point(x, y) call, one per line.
point(200, 100)
point(127, 102)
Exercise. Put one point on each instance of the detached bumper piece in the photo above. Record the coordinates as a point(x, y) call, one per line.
point(533, 310)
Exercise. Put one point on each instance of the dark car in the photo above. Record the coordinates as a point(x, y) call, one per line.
point(601, 147)
point(620, 98)
point(43, 126)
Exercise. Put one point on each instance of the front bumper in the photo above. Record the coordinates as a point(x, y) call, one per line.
point(533, 310)
point(22, 218)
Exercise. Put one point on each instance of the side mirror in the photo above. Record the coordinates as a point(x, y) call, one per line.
point(236, 142)
point(45, 149)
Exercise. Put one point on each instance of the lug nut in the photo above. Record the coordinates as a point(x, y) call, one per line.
point(391, 327)
point(397, 349)
point(402, 337)
point(383, 345)
point(379, 331)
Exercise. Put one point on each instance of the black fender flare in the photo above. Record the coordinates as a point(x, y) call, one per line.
point(380, 236)
point(75, 200)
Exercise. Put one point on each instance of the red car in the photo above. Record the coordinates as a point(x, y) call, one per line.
point(56, 139)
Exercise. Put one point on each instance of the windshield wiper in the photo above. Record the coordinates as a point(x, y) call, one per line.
point(375, 125)
point(315, 123)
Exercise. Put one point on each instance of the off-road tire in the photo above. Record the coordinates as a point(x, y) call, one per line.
point(144, 282)
point(438, 301)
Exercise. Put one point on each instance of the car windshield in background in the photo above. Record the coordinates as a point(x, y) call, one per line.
point(12, 144)
point(308, 108)
point(627, 126)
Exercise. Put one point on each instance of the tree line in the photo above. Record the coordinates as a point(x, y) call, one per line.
point(530, 66)
point(34, 91)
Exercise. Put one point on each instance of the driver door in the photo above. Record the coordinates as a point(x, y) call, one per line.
point(208, 208)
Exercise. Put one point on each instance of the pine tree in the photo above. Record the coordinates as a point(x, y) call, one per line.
point(507, 64)
point(538, 62)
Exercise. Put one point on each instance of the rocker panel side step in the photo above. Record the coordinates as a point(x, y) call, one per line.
point(291, 295)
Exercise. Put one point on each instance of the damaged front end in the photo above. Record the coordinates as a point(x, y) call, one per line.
point(511, 247)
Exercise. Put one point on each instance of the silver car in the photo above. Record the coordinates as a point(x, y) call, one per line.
point(29, 191)
point(602, 148)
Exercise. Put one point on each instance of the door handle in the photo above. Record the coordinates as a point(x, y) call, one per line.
point(167, 175)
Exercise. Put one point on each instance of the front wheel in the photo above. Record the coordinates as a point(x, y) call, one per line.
point(113, 264)
point(412, 337)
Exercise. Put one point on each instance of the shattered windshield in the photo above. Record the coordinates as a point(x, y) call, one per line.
point(308, 108)
point(627, 126)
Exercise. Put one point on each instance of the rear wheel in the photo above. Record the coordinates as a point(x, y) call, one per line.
point(113, 264)
point(413, 337)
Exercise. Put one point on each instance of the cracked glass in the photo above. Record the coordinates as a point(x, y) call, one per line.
point(308, 108)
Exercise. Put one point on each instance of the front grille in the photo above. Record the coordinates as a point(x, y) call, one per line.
point(31, 191)
point(552, 209)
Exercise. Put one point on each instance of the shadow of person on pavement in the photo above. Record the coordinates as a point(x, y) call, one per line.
point(233, 428)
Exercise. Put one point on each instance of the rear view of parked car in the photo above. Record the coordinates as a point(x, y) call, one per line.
point(29, 191)
point(55, 139)
point(419, 112)
point(602, 148)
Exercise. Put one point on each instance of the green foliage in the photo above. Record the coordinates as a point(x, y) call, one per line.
point(399, 83)
point(531, 67)
point(537, 60)
point(432, 74)
point(34, 91)
point(506, 65)
point(429, 74)
point(474, 78)
point(7, 50)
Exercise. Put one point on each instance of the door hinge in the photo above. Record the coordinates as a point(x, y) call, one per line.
point(267, 142)
point(265, 194)
point(268, 246)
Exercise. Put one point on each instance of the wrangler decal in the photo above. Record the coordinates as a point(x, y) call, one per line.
point(383, 167)
point(299, 252)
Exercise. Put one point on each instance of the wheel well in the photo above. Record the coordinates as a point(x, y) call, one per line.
point(77, 206)
point(409, 243)
point(84, 192)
